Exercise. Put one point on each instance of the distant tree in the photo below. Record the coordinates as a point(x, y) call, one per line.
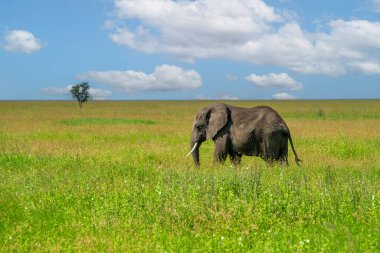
point(80, 92)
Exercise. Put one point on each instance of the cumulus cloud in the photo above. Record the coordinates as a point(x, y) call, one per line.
point(283, 96)
point(21, 41)
point(164, 78)
point(273, 80)
point(96, 94)
point(190, 29)
point(250, 31)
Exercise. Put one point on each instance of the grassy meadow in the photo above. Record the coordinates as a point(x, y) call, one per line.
point(114, 177)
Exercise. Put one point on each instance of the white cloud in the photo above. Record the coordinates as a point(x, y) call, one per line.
point(221, 97)
point(273, 80)
point(190, 29)
point(250, 31)
point(366, 67)
point(57, 90)
point(21, 41)
point(283, 96)
point(96, 94)
point(228, 97)
point(164, 78)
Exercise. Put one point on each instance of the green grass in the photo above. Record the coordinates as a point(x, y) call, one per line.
point(112, 121)
point(127, 187)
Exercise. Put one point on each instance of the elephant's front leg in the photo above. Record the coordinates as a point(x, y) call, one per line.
point(235, 158)
point(221, 149)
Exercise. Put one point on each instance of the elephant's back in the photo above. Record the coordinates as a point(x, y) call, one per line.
point(256, 115)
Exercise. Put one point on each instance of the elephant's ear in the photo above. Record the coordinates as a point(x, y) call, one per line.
point(217, 119)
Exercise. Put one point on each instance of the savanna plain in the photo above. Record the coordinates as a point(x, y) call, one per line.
point(114, 177)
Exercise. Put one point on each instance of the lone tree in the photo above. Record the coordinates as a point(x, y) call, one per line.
point(81, 92)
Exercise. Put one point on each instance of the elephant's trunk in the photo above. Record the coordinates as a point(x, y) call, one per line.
point(195, 151)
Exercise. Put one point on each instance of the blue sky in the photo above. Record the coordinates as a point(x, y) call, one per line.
point(190, 49)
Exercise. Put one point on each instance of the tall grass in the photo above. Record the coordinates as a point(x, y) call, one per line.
point(113, 185)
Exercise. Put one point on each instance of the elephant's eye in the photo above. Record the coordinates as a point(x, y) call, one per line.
point(197, 126)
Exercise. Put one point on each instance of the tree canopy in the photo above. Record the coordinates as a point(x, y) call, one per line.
point(81, 92)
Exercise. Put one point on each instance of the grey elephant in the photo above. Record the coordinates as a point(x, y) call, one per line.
point(258, 131)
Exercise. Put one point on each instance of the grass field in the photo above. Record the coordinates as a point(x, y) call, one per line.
point(113, 177)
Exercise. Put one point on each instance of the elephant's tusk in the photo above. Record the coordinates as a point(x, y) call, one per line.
point(192, 150)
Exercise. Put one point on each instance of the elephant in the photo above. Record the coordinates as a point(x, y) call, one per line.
point(257, 131)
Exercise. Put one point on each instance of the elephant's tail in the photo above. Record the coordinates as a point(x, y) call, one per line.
point(298, 161)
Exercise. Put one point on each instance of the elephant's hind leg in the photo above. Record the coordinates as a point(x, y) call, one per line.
point(272, 148)
point(283, 156)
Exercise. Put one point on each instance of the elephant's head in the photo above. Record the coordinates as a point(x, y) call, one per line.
point(207, 123)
